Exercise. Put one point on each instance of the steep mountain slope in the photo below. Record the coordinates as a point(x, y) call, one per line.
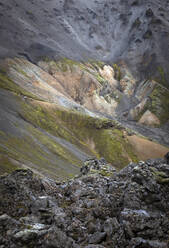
point(132, 30)
point(84, 99)
point(56, 112)
point(53, 118)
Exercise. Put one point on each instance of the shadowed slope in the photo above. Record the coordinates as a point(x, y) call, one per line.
point(134, 31)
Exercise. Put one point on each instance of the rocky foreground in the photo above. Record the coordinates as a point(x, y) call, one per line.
point(100, 208)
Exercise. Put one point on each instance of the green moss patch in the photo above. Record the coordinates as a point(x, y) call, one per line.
point(6, 164)
point(158, 103)
point(67, 65)
point(47, 155)
point(38, 150)
point(162, 77)
point(117, 70)
point(44, 155)
point(8, 84)
point(78, 128)
point(160, 176)
point(63, 64)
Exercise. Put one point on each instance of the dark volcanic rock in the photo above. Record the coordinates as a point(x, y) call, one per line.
point(135, 31)
point(130, 209)
point(97, 166)
point(167, 157)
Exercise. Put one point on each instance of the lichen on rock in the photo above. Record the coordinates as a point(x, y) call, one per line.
point(124, 209)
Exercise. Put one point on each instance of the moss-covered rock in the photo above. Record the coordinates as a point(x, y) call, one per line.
point(160, 176)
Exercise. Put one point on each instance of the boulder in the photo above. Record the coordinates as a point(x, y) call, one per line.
point(167, 157)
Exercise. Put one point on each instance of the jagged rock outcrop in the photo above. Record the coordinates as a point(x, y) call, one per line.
point(100, 167)
point(167, 157)
point(127, 209)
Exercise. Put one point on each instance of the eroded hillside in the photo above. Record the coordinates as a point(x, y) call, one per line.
point(133, 31)
point(57, 114)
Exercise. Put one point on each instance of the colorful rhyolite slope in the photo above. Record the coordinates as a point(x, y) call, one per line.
point(56, 114)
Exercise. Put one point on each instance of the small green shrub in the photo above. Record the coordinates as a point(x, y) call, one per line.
point(162, 76)
point(117, 71)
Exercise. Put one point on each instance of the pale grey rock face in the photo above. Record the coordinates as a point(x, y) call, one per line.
point(134, 31)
